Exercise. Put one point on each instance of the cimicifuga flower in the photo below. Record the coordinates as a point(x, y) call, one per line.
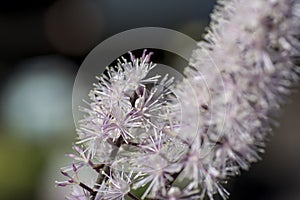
point(184, 140)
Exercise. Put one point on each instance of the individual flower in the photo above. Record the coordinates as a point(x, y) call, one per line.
point(154, 167)
point(156, 171)
point(118, 185)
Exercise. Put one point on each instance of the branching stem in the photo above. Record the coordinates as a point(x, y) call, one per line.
point(105, 168)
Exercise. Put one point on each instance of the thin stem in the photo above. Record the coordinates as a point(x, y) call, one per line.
point(98, 167)
point(105, 170)
point(84, 186)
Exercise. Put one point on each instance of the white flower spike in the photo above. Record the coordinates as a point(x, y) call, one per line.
point(144, 132)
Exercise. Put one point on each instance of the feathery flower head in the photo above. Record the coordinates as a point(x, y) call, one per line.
point(255, 61)
point(142, 131)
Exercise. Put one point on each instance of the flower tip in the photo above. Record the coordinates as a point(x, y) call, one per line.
point(60, 184)
point(132, 57)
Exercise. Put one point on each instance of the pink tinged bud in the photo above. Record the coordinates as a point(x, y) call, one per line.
point(71, 181)
point(70, 155)
point(144, 54)
point(74, 167)
point(65, 173)
point(78, 149)
point(146, 57)
point(132, 57)
point(61, 184)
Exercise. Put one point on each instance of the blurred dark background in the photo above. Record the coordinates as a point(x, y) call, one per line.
point(43, 43)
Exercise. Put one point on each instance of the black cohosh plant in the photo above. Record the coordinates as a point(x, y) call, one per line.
point(184, 140)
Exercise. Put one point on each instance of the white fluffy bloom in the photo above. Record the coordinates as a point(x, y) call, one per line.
point(118, 185)
point(252, 44)
point(203, 130)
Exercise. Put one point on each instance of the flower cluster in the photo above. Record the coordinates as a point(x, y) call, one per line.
point(143, 132)
point(252, 46)
point(122, 137)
